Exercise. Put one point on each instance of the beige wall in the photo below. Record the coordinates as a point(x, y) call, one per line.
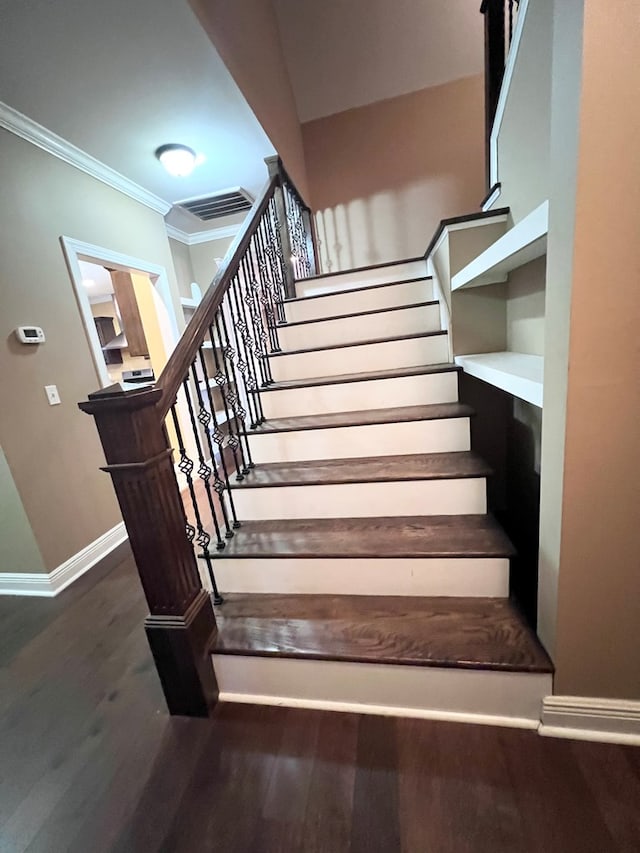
point(525, 308)
point(382, 176)
point(247, 38)
point(203, 261)
point(53, 451)
point(19, 550)
point(523, 140)
point(342, 55)
point(598, 638)
point(182, 266)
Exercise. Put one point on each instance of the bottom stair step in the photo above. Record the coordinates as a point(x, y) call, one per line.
point(441, 657)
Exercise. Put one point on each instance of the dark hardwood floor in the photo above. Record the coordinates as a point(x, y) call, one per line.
point(90, 762)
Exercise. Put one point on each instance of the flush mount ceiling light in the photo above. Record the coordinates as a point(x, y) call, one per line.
point(178, 160)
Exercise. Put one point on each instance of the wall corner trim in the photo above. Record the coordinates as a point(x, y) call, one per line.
point(202, 236)
point(28, 129)
point(50, 584)
point(591, 718)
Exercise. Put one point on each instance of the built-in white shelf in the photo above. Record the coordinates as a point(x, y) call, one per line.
point(525, 242)
point(517, 373)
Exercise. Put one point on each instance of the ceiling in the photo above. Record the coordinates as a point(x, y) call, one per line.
point(119, 78)
point(347, 53)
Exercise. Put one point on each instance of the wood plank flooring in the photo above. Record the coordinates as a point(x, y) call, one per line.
point(91, 763)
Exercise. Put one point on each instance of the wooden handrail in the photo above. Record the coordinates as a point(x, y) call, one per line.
point(177, 367)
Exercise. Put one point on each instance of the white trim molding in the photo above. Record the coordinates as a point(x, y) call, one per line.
point(28, 129)
point(76, 250)
point(504, 91)
point(50, 584)
point(202, 236)
point(594, 719)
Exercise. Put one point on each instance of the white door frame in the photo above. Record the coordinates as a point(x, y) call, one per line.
point(76, 251)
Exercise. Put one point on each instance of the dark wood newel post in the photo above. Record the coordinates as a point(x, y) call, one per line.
point(181, 619)
point(274, 169)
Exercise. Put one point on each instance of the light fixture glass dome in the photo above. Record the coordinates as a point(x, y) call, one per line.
point(178, 160)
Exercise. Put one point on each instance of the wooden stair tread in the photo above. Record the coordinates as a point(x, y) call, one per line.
point(403, 537)
point(364, 376)
point(399, 414)
point(381, 265)
point(346, 344)
point(357, 289)
point(368, 469)
point(367, 311)
point(469, 633)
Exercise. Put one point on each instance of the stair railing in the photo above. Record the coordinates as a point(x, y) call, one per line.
point(173, 448)
point(499, 18)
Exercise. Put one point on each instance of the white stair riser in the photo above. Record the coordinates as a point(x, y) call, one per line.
point(437, 436)
point(462, 695)
point(459, 576)
point(359, 396)
point(361, 278)
point(411, 352)
point(406, 321)
point(350, 302)
point(363, 500)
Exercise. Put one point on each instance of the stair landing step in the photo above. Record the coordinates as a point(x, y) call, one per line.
point(364, 376)
point(375, 469)
point(399, 414)
point(390, 537)
point(351, 290)
point(466, 633)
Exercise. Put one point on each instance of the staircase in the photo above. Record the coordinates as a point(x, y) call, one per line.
point(305, 456)
point(367, 574)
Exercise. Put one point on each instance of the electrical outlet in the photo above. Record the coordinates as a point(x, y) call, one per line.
point(52, 395)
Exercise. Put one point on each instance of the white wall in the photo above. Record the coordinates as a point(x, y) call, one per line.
point(523, 138)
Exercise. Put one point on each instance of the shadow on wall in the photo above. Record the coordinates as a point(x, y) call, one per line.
point(383, 175)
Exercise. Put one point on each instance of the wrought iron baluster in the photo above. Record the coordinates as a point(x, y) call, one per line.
point(265, 294)
point(218, 437)
point(240, 323)
point(252, 301)
point(186, 465)
point(297, 232)
point(233, 393)
point(276, 273)
point(276, 314)
point(221, 379)
point(242, 358)
point(252, 330)
point(275, 225)
point(205, 417)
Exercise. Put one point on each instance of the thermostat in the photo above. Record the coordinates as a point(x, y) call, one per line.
point(30, 335)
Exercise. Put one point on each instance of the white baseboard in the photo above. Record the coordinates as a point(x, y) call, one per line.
point(380, 710)
point(586, 718)
point(50, 584)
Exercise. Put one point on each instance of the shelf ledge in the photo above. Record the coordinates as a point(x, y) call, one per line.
point(515, 372)
point(521, 244)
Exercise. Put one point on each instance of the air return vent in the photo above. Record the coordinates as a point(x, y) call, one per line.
point(223, 203)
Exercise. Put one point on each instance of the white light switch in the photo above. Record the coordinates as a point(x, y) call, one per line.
point(52, 394)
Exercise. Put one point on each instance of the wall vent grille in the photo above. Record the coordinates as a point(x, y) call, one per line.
point(217, 205)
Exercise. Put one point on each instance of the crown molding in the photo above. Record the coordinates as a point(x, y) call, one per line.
point(202, 236)
point(24, 127)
